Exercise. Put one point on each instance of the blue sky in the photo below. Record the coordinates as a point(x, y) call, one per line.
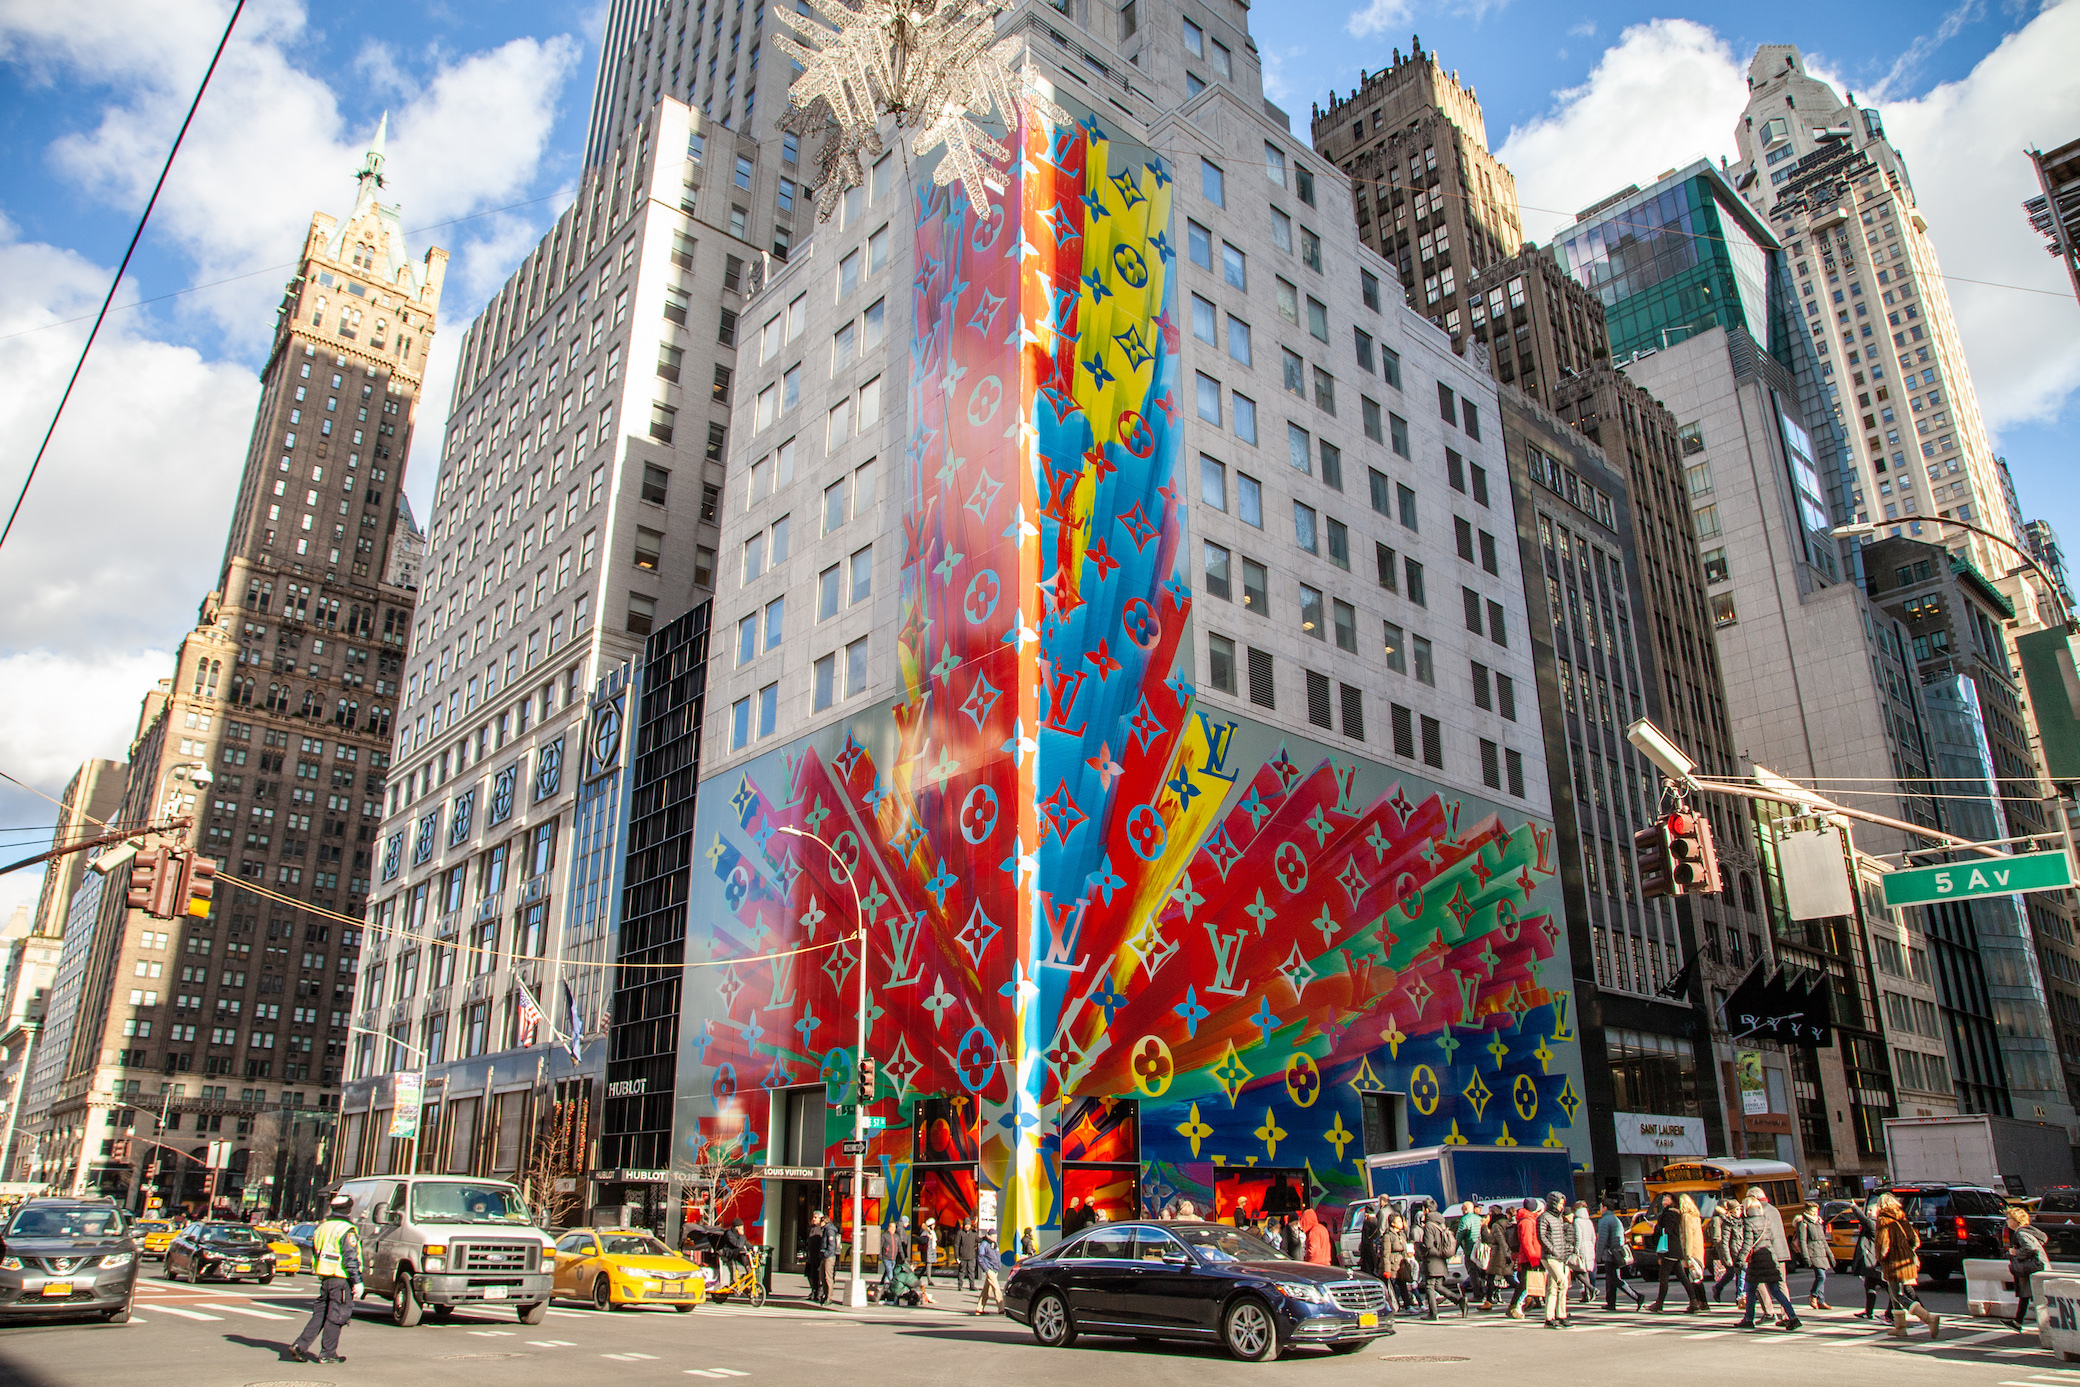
point(489, 100)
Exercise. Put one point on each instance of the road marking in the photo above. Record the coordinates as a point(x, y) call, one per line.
point(650, 1356)
point(492, 1333)
point(184, 1314)
point(247, 1310)
point(552, 1343)
point(1983, 1336)
point(573, 1314)
point(620, 1357)
point(1710, 1334)
point(1634, 1333)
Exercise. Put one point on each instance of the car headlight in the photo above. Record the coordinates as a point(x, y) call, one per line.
point(436, 1264)
point(1301, 1290)
point(10, 1263)
point(117, 1259)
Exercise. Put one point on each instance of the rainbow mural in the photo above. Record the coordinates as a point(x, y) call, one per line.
point(1120, 945)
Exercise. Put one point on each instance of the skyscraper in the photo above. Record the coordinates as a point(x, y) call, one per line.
point(273, 735)
point(1870, 298)
point(1428, 194)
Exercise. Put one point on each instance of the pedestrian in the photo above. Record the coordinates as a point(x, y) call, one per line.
point(1074, 1221)
point(1028, 1244)
point(1722, 1247)
point(1436, 1243)
point(1668, 1250)
point(1899, 1249)
point(812, 1258)
point(1498, 1236)
point(1585, 1249)
point(1526, 1254)
point(1466, 1228)
point(1864, 1261)
point(1763, 1234)
point(987, 1260)
point(1289, 1238)
point(895, 1251)
point(1395, 1268)
point(1613, 1255)
point(1693, 1254)
point(1370, 1236)
point(1186, 1211)
point(1316, 1245)
point(966, 1242)
point(336, 1261)
point(1810, 1239)
point(928, 1246)
point(2026, 1248)
point(833, 1244)
point(1558, 1257)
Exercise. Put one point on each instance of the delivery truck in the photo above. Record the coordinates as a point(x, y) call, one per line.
point(1999, 1153)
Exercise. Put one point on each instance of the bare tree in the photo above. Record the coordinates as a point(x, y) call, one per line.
point(555, 1154)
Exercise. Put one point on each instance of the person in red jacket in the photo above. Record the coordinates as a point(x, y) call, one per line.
point(1314, 1239)
point(1530, 1256)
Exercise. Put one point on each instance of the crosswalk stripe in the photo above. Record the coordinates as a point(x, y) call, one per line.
point(492, 1333)
point(184, 1314)
point(247, 1310)
point(729, 1372)
point(552, 1343)
point(572, 1314)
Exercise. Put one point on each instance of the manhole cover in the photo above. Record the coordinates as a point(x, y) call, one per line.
point(1422, 1358)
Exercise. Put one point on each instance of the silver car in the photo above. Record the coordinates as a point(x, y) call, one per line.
point(69, 1257)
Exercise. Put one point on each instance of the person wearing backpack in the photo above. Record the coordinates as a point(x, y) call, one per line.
point(1437, 1242)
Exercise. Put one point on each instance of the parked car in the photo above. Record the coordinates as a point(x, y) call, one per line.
point(613, 1267)
point(67, 1257)
point(219, 1252)
point(1205, 1282)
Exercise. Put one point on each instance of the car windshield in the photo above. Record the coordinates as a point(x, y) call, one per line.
point(630, 1245)
point(66, 1223)
point(230, 1233)
point(2060, 1202)
point(464, 1201)
point(1921, 1205)
point(1219, 1244)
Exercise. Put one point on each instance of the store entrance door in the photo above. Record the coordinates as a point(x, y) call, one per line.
point(795, 1201)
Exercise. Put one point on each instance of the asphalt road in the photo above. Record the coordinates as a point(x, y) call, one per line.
point(232, 1337)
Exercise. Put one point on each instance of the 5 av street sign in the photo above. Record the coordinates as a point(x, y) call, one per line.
point(1985, 876)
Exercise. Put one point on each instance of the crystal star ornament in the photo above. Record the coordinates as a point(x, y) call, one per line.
point(937, 66)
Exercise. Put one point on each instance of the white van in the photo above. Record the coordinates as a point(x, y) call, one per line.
point(447, 1240)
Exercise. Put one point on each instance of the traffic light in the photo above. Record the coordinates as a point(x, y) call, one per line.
point(119, 1151)
point(155, 882)
point(866, 1079)
point(1650, 856)
point(198, 883)
point(1695, 865)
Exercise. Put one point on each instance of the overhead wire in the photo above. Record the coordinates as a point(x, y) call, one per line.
point(109, 298)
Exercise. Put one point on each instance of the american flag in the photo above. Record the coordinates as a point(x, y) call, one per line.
point(530, 1016)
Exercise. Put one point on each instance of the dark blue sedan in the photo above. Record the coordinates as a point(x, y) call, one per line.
point(1199, 1281)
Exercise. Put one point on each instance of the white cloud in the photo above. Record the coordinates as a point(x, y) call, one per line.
point(1964, 144)
point(1668, 92)
point(1586, 29)
point(1378, 17)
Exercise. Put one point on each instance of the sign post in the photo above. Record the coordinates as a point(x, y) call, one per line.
point(1987, 876)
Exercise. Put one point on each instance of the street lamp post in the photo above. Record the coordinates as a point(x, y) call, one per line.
point(1872, 528)
point(405, 1044)
point(856, 1296)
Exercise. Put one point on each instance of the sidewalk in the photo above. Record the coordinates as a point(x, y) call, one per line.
point(791, 1290)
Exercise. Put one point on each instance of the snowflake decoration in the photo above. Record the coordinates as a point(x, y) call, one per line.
point(935, 64)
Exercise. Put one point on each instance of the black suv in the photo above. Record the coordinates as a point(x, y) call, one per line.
point(1955, 1222)
point(67, 1257)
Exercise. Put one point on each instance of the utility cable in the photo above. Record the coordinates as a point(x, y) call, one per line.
point(113, 284)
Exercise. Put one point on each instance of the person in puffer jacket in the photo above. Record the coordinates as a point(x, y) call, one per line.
point(1525, 1253)
point(1557, 1254)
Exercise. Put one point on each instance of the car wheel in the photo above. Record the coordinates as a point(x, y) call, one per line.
point(267, 1279)
point(602, 1293)
point(534, 1314)
point(1248, 1332)
point(1346, 1348)
point(683, 1309)
point(1051, 1323)
point(443, 1313)
point(405, 1309)
point(121, 1316)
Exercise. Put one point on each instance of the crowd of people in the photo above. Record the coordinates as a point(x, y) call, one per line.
point(1545, 1255)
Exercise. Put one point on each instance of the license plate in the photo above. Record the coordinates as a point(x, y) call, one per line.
point(55, 1288)
point(495, 1292)
point(243, 1266)
point(1368, 1320)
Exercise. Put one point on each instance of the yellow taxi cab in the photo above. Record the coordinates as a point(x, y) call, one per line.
point(153, 1237)
point(288, 1257)
point(613, 1267)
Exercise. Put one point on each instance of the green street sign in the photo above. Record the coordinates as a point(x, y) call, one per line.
point(1985, 876)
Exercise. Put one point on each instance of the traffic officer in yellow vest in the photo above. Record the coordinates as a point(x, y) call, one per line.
point(336, 1255)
